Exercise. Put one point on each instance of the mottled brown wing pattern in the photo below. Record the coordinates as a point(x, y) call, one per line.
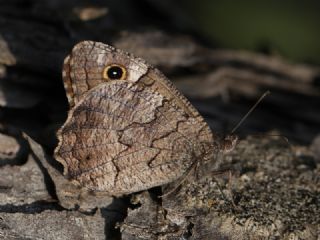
point(82, 69)
point(123, 136)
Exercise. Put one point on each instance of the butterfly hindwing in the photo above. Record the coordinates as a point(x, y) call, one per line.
point(121, 138)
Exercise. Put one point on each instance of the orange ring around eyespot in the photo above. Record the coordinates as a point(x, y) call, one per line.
point(105, 72)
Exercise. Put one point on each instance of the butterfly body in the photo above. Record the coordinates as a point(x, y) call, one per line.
point(128, 128)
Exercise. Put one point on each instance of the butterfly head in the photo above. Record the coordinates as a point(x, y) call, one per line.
point(229, 143)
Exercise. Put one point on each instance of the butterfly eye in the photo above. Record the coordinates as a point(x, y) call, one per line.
point(114, 72)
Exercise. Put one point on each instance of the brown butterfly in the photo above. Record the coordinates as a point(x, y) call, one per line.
point(128, 128)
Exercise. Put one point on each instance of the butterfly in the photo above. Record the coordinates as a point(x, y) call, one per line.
point(128, 128)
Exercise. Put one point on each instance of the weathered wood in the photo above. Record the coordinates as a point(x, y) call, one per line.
point(50, 224)
point(276, 196)
point(22, 185)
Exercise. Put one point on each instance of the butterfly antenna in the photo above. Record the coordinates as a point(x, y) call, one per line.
point(250, 111)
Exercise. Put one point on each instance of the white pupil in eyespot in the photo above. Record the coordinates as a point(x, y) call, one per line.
point(115, 72)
